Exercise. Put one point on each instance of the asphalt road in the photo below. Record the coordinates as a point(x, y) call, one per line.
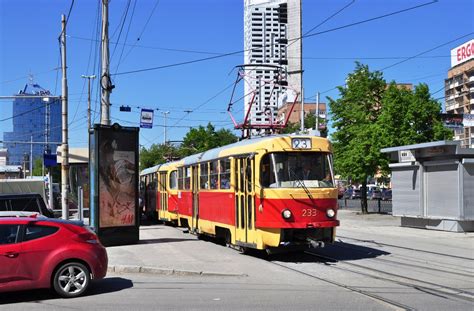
point(374, 265)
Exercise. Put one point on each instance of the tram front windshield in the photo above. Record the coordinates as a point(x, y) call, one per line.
point(296, 170)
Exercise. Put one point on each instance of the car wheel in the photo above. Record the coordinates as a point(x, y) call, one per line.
point(71, 279)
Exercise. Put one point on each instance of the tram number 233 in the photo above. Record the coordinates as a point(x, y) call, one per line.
point(307, 212)
point(301, 143)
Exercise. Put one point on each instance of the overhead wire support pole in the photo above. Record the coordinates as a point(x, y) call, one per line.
point(88, 100)
point(165, 113)
point(64, 146)
point(105, 83)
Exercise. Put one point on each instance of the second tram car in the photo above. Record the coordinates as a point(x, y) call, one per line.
point(266, 193)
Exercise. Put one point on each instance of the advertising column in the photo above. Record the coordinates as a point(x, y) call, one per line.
point(114, 184)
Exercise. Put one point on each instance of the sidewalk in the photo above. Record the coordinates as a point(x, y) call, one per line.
point(168, 251)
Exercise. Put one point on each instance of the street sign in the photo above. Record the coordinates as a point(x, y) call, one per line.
point(50, 160)
point(146, 118)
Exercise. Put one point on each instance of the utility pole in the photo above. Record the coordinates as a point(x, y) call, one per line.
point(88, 100)
point(105, 83)
point(165, 113)
point(302, 105)
point(64, 147)
point(31, 156)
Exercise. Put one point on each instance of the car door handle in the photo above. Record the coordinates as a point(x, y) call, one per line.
point(11, 255)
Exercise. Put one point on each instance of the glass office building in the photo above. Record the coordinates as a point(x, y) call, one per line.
point(34, 119)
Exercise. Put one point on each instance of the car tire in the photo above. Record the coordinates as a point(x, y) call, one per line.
point(71, 279)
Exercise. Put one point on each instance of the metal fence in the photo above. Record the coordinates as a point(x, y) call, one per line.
point(373, 206)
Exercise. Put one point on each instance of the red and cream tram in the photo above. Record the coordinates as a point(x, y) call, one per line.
point(264, 193)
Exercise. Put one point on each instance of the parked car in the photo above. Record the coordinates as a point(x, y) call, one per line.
point(374, 193)
point(40, 252)
point(25, 202)
point(387, 194)
point(351, 193)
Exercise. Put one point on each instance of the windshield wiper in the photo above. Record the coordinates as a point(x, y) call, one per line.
point(300, 182)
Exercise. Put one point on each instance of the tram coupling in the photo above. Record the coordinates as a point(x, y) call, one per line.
point(315, 244)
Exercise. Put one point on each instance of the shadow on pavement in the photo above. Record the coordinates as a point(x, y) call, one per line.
point(104, 286)
point(164, 240)
point(338, 251)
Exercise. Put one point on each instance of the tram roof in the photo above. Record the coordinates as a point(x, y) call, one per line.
point(216, 152)
point(150, 170)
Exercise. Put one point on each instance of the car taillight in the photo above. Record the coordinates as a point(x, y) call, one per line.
point(88, 237)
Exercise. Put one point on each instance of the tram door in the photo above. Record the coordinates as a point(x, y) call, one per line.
point(195, 191)
point(163, 195)
point(244, 200)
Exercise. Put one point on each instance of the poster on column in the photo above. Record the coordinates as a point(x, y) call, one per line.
point(117, 178)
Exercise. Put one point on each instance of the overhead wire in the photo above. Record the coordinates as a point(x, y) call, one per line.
point(259, 47)
point(409, 58)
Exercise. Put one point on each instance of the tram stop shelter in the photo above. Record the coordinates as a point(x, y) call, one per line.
point(433, 185)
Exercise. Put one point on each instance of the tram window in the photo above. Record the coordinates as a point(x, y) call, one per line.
point(181, 178)
point(249, 211)
point(204, 177)
point(249, 176)
point(225, 173)
point(214, 174)
point(187, 178)
point(174, 180)
point(290, 170)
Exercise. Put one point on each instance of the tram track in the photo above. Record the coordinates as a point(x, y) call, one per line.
point(418, 284)
point(406, 248)
point(439, 267)
point(430, 288)
point(374, 296)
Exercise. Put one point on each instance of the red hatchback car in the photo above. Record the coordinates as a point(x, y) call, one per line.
point(40, 252)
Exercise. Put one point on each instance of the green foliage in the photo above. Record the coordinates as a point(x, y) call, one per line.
point(309, 122)
point(356, 142)
point(196, 140)
point(369, 116)
point(157, 154)
point(204, 138)
point(410, 117)
point(38, 167)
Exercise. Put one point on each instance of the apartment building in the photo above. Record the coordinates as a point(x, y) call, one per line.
point(459, 90)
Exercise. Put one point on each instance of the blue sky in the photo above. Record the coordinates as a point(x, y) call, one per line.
point(198, 29)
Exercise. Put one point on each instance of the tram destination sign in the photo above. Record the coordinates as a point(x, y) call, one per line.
point(301, 143)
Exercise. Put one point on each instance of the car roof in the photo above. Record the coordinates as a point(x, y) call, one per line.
point(42, 219)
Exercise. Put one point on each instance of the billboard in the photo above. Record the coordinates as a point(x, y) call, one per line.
point(468, 119)
point(462, 53)
point(114, 183)
point(452, 120)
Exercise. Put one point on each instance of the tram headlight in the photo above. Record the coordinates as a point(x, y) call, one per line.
point(330, 213)
point(286, 214)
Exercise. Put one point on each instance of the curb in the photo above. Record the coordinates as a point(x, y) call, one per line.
point(163, 271)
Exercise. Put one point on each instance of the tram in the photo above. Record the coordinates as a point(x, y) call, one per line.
point(269, 193)
point(159, 192)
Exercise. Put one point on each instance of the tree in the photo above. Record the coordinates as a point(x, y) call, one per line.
point(369, 116)
point(354, 116)
point(196, 140)
point(204, 138)
point(309, 122)
point(157, 154)
point(410, 117)
point(38, 167)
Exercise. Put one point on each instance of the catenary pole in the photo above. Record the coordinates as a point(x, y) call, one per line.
point(105, 83)
point(165, 113)
point(317, 112)
point(64, 147)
